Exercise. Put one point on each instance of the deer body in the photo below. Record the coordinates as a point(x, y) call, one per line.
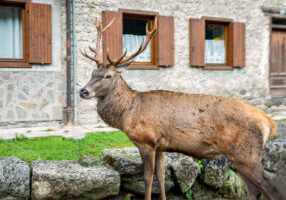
point(202, 126)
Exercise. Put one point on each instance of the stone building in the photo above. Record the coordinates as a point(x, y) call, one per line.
point(219, 47)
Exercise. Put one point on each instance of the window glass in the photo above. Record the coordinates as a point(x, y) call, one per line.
point(278, 21)
point(133, 35)
point(11, 34)
point(215, 44)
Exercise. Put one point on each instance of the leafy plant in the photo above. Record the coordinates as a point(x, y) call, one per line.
point(189, 193)
point(273, 137)
point(229, 172)
point(169, 179)
point(20, 137)
point(200, 163)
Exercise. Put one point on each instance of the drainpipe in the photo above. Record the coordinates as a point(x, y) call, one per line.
point(68, 58)
point(75, 120)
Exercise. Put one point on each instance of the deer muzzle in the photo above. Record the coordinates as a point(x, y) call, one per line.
point(83, 93)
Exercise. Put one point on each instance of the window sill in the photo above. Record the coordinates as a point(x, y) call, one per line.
point(14, 65)
point(143, 67)
point(218, 67)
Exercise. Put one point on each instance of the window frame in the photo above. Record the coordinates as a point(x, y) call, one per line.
point(227, 23)
point(18, 63)
point(138, 14)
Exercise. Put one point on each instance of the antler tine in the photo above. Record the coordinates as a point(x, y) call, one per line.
point(97, 25)
point(96, 50)
point(114, 63)
point(93, 50)
point(144, 44)
point(99, 34)
point(88, 56)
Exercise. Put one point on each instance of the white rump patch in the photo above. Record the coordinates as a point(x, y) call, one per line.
point(266, 133)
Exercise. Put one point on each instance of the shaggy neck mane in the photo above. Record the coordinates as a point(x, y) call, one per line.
point(112, 107)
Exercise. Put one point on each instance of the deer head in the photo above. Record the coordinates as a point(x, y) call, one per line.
point(105, 76)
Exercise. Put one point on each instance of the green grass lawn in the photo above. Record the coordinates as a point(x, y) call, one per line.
point(59, 148)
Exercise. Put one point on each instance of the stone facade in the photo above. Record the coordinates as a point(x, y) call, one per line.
point(30, 96)
point(38, 93)
point(249, 83)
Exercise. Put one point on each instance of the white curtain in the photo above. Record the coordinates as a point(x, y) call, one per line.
point(11, 45)
point(132, 43)
point(214, 51)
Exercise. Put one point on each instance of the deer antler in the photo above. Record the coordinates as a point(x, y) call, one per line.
point(149, 35)
point(96, 51)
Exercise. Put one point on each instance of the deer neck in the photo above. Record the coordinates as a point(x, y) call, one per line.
point(111, 108)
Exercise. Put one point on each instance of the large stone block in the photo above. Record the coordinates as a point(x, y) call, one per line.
point(233, 187)
point(136, 185)
point(274, 156)
point(215, 171)
point(14, 179)
point(70, 180)
point(184, 170)
point(274, 161)
point(127, 162)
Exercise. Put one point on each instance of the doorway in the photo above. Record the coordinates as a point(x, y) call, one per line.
point(277, 63)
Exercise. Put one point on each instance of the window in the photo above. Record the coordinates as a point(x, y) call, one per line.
point(279, 21)
point(133, 35)
point(11, 36)
point(25, 33)
point(217, 43)
point(128, 32)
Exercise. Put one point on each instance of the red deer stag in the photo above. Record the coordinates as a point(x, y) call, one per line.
point(202, 126)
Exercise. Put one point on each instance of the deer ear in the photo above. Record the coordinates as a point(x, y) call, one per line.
point(124, 65)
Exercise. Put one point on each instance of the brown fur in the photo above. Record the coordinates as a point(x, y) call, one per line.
point(202, 126)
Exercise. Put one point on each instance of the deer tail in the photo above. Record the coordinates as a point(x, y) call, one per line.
point(273, 126)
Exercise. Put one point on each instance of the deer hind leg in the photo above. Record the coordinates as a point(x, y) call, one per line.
point(252, 192)
point(148, 159)
point(255, 177)
point(160, 172)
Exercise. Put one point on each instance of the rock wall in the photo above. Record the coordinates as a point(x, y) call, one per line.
point(118, 174)
point(249, 83)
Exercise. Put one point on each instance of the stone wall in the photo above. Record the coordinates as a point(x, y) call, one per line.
point(118, 174)
point(36, 93)
point(249, 83)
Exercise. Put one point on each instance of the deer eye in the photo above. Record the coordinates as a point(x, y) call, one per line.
point(108, 76)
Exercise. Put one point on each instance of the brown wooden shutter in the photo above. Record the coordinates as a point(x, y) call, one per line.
point(238, 44)
point(14, 1)
point(112, 37)
point(165, 46)
point(197, 42)
point(40, 33)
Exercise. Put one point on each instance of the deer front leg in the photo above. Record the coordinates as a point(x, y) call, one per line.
point(160, 172)
point(148, 159)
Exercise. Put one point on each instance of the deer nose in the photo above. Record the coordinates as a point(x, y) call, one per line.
point(83, 93)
